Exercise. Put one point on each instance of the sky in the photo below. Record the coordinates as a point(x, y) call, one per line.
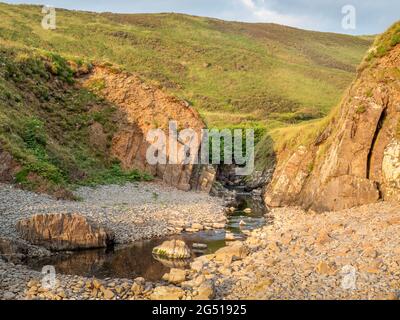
point(371, 16)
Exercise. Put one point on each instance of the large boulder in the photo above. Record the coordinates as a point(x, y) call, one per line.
point(61, 231)
point(203, 178)
point(172, 262)
point(173, 249)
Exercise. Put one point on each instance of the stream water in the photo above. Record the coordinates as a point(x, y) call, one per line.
point(137, 260)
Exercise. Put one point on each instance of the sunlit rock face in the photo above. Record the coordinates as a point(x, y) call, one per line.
point(356, 158)
point(391, 171)
point(142, 108)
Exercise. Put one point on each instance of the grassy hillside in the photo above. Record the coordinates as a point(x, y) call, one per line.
point(288, 138)
point(233, 73)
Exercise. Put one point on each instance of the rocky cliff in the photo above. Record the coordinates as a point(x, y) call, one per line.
point(356, 158)
point(142, 107)
point(65, 122)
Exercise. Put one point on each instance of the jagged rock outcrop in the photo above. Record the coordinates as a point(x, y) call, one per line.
point(143, 107)
point(61, 231)
point(356, 159)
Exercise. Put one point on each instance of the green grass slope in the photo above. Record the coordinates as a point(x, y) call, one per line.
point(235, 74)
point(288, 138)
point(45, 121)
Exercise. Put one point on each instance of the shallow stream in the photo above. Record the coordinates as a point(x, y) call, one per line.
point(137, 260)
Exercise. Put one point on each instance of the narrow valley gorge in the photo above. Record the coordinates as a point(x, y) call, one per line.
point(85, 216)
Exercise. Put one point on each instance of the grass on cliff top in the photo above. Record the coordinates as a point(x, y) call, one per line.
point(233, 73)
point(289, 138)
point(385, 42)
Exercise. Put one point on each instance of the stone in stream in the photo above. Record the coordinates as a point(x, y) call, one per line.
point(217, 225)
point(197, 226)
point(229, 236)
point(174, 249)
point(247, 210)
point(201, 246)
point(62, 231)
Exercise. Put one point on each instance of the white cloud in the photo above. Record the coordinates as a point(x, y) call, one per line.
point(261, 13)
point(249, 4)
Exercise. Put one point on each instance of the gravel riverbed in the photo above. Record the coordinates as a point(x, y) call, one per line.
point(350, 254)
point(132, 211)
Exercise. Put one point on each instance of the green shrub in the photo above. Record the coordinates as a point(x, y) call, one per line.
point(361, 109)
point(395, 40)
point(59, 66)
point(385, 42)
point(115, 175)
point(259, 132)
point(34, 134)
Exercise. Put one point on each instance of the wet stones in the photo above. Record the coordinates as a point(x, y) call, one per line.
point(200, 246)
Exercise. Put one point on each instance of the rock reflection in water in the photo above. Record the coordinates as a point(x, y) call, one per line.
point(122, 262)
point(131, 261)
point(173, 263)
